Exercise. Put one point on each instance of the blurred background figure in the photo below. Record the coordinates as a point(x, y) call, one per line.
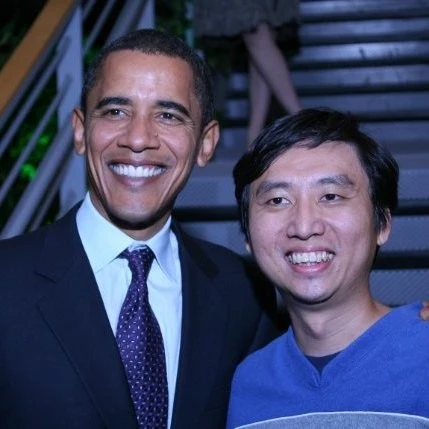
point(258, 23)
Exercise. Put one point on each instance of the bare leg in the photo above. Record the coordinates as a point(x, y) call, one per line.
point(259, 102)
point(269, 60)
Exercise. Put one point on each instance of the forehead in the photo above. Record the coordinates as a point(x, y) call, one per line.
point(302, 163)
point(133, 69)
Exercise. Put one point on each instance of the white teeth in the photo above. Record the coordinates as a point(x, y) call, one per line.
point(309, 257)
point(138, 172)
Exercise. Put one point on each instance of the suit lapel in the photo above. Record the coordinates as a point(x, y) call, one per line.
point(204, 321)
point(72, 307)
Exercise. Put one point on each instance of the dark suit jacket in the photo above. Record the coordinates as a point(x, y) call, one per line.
point(59, 364)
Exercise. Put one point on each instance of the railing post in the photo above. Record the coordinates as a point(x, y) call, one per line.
point(147, 18)
point(73, 186)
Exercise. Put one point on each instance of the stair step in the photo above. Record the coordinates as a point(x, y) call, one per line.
point(379, 106)
point(328, 10)
point(396, 287)
point(373, 107)
point(414, 177)
point(361, 54)
point(362, 79)
point(344, 80)
point(400, 136)
point(387, 30)
point(407, 235)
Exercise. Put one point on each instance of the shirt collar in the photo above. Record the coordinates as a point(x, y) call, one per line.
point(103, 241)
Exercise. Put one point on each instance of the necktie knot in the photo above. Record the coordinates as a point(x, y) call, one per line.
point(139, 261)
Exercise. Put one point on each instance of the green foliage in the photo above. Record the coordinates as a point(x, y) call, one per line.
point(171, 16)
point(10, 35)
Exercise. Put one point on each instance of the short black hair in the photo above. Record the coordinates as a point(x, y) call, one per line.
point(157, 42)
point(311, 128)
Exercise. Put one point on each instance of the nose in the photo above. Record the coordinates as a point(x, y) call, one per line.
point(305, 220)
point(140, 134)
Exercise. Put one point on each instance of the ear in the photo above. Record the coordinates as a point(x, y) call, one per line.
point(384, 234)
point(209, 141)
point(78, 122)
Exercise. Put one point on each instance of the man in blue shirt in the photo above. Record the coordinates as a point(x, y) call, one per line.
point(316, 197)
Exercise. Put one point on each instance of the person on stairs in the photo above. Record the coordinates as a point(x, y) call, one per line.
point(256, 22)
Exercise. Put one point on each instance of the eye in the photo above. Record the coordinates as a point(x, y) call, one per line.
point(113, 112)
point(170, 117)
point(331, 197)
point(277, 201)
point(167, 115)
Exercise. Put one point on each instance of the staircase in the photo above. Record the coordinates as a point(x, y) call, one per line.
point(370, 58)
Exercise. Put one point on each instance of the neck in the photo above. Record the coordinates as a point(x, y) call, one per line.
point(322, 330)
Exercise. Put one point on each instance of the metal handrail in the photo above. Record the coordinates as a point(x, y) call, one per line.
point(13, 174)
point(28, 59)
point(96, 29)
point(34, 193)
point(33, 96)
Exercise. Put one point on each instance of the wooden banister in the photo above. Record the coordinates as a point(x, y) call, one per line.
point(33, 45)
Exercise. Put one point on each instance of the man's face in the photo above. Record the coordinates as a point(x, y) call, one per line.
point(141, 136)
point(311, 224)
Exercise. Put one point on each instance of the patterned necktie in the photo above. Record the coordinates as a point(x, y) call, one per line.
point(140, 344)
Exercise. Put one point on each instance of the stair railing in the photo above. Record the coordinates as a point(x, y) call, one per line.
point(54, 47)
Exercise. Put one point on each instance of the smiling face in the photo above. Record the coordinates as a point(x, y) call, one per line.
point(141, 135)
point(311, 224)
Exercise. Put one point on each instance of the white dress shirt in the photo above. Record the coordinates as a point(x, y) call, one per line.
point(103, 242)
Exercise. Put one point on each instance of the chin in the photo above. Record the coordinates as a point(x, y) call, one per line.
point(137, 219)
point(307, 300)
point(130, 220)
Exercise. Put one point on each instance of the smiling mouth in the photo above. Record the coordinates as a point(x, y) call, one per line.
point(136, 172)
point(309, 257)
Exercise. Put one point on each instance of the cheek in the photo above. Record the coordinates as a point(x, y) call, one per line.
point(356, 227)
point(184, 150)
point(102, 134)
point(263, 232)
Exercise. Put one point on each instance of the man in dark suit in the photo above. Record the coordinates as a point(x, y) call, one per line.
point(146, 118)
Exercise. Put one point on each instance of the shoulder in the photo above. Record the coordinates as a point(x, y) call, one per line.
point(233, 273)
point(406, 333)
point(208, 255)
point(407, 315)
point(24, 244)
point(259, 370)
point(264, 357)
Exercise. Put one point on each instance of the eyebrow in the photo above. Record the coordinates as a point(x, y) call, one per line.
point(268, 185)
point(341, 180)
point(167, 104)
point(123, 101)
